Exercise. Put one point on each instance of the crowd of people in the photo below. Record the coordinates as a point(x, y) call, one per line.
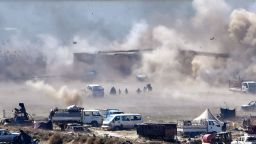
point(147, 88)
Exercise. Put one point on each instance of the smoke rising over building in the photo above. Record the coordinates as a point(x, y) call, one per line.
point(215, 26)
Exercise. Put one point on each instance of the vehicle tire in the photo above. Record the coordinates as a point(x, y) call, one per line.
point(117, 128)
point(63, 127)
point(121, 127)
point(94, 124)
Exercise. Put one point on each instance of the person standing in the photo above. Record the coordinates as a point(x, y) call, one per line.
point(113, 91)
point(126, 91)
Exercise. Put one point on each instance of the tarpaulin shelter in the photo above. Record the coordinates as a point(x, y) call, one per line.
point(207, 115)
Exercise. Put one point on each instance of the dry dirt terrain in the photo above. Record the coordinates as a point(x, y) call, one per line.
point(163, 104)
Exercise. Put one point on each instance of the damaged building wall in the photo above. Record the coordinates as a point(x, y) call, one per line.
point(107, 64)
point(124, 63)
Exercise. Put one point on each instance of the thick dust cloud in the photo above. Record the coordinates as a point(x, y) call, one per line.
point(66, 95)
point(215, 29)
point(188, 40)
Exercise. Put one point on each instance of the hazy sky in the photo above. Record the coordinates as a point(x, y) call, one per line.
point(109, 20)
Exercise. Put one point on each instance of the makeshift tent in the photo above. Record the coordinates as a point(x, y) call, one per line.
point(227, 113)
point(207, 115)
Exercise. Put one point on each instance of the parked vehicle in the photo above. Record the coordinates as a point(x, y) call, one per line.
point(162, 131)
point(243, 86)
point(106, 113)
point(122, 121)
point(191, 128)
point(16, 138)
point(62, 117)
point(250, 106)
point(217, 138)
point(246, 139)
point(95, 90)
point(141, 77)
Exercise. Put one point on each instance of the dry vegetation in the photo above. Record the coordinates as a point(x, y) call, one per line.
point(57, 137)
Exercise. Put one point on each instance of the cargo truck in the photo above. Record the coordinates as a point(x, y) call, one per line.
point(191, 128)
point(75, 115)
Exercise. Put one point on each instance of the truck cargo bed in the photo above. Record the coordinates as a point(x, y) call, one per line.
point(164, 131)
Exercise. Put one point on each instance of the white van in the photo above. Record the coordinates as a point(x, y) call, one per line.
point(95, 90)
point(122, 121)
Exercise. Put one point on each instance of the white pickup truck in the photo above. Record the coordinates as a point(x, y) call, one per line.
point(191, 128)
point(243, 86)
point(62, 117)
point(246, 139)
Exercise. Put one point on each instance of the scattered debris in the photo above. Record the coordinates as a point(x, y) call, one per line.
point(20, 117)
point(77, 128)
point(44, 125)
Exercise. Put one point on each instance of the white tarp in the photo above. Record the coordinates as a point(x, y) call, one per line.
point(206, 115)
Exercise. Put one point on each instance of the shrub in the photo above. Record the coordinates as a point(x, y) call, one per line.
point(56, 139)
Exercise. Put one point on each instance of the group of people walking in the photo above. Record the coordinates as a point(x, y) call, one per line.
point(113, 90)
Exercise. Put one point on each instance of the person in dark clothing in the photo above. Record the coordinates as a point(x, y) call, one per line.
point(51, 114)
point(25, 138)
point(138, 91)
point(149, 87)
point(126, 91)
point(113, 91)
point(120, 92)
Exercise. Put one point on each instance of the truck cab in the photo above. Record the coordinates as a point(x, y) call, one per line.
point(92, 117)
point(249, 86)
point(193, 128)
point(213, 126)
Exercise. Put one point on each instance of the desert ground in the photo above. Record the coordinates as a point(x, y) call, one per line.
point(164, 103)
